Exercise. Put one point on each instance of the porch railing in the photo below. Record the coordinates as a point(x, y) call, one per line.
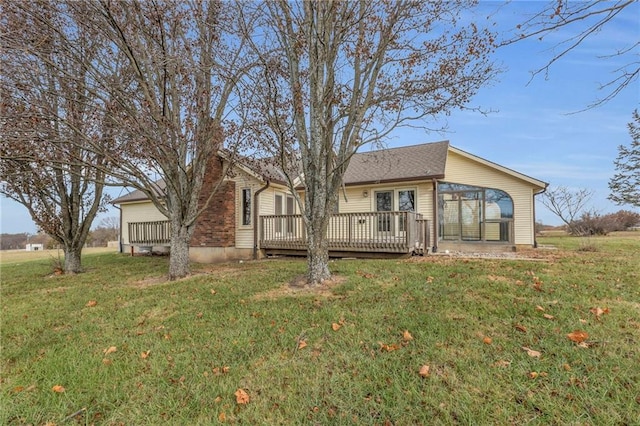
point(150, 233)
point(392, 232)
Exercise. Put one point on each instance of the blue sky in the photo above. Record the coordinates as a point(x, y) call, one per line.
point(536, 128)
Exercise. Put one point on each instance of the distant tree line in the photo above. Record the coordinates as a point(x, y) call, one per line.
point(107, 230)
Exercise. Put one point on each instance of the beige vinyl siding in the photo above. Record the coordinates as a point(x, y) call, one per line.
point(356, 202)
point(463, 170)
point(244, 233)
point(141, 211)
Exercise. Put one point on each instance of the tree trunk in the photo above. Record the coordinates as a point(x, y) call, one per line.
point(72, 260)
point(317, 255)
point(179, 257)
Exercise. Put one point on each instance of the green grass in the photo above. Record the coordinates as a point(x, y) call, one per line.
point(236, 327)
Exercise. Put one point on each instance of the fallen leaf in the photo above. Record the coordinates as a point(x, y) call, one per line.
point(222, 417)
point(520, 327)
point(566, 367)
point(217, 399)
point(533, 375)
point(91, 303)
point(487, 340)
point(531, 352)
point(18, 389)
point(107, 361)
point(110, 350)
point(302, 344)
point(214, 292)
point(242, 397)
point(429, 279)
point(578, 336)
point(539, 308)
point(406, 336)
point(389, 348)
point(424, 371)
point(547, 316)
point(58, 389)
point(199, 315)
point(335, 326)
point(502, 363)
point(145, 354)
point(598, 312)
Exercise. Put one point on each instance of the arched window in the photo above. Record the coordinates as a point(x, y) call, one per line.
point(473, 213)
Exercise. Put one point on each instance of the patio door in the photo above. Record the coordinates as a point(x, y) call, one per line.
point(384, 203)
point(461, 216)
point(284, 205)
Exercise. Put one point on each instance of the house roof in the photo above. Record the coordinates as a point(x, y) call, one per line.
point(424, 161)
point(408, 163)
point(138, 195)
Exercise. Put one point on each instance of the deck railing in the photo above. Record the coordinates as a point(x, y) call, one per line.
point(150, 233)
point(392, 232)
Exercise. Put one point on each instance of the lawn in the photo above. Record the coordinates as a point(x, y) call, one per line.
point(433, 340)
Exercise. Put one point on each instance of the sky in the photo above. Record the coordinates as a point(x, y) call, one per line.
point(537, 125)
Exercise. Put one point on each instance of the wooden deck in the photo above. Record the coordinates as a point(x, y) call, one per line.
point(357, 233)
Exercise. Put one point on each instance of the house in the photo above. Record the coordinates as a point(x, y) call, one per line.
point(398, 201)
point(34, 247)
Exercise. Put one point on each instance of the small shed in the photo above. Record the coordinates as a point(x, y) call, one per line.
point(35, 247)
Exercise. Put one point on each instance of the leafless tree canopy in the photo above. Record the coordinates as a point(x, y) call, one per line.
point(566, 203)
point(48, 111)
point(584, 20)
point(336, 76)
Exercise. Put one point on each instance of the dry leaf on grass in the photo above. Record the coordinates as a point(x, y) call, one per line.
point(110, 350)
point(578, 336)
point(406, 336)
point(242, 397)
point(145, 354)
point(335, 326)
point(302, 344)
point(547, 316)
point(520, 327)
point(424, 371)
point(598, 312)
point(389, 348)
point(531, 352)
point(91, 303)
point(57, 388)
point(487, 340)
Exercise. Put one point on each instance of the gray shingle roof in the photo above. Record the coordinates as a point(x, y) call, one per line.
point(138, 195)
point(424, 161)
point(415, 162)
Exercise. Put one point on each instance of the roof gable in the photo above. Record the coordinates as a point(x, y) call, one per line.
point(533, 181)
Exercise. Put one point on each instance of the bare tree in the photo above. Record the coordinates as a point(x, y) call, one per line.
point(339, 75)
point(47, 111)
point(585, 20)
point(625, 184)
point(178, 63)
point(568, 205)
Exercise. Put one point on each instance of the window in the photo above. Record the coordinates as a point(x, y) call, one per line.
point(470, 213)
point(246, 207)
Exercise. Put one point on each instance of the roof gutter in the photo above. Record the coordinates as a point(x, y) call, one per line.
point(255, 218)
point(535, 241)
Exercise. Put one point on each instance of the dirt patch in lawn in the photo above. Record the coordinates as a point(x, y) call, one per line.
point(298, 287)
